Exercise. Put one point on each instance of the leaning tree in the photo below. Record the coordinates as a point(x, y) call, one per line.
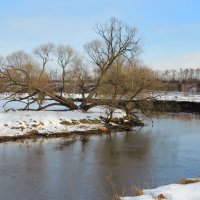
point(119, 79)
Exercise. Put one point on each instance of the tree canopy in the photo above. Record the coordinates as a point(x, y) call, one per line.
point(114, 77)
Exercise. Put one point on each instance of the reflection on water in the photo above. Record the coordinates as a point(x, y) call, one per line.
point(79, 169)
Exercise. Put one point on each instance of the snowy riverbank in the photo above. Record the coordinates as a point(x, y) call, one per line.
point(177, 96)
point(170, 192)
point(16, 123)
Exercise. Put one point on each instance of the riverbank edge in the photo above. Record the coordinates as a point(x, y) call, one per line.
point(158, 106)
point(36, 135)
point(176, 106)
point(185, 188)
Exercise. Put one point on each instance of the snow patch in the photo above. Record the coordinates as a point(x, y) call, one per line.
point(15, 123)
point(170, 192)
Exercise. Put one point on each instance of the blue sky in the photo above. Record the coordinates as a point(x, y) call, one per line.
point(170, 29)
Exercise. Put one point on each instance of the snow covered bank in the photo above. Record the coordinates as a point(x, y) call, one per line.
point(177, 96)
point(170, 192)
point(16, 123)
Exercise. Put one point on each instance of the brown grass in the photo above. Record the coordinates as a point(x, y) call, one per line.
point(138, 191)
point(75, 122)
point(185, 181)
point(32, 132)
point(116, 194)
point(161, 197)
point(35, 125)
point(85, 121)
point(66, 123)
point(102, 129)
point(96, 121)
point(116, 197)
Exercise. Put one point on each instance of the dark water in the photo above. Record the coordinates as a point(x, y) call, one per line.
point(87, 169)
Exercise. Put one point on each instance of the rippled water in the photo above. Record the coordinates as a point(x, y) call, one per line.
point(86, 169)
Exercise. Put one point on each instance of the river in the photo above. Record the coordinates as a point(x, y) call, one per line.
point(89, 168)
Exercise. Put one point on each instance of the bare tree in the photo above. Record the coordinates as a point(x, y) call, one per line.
point(2, 64)
point(197, 72)
point(19, 74)
point(43, 52)
point(27, 78)
point(65, 55)
point(129, 87)
point(120, 80)
point(80, 76)
point(117, 40)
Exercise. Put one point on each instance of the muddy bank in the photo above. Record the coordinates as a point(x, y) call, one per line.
point(34, 135)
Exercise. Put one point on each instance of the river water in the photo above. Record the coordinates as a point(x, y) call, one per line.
point(94, 168)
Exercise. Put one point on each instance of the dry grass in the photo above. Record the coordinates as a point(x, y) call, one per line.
point(32, 132)
point(85, 121)
point(35, 125)
point(116, 193)
point(116, 197)
point(66, 123)
point(185, 181)
point(160, 197)
point(102, 129)
point(138, 191)
point(75, 122)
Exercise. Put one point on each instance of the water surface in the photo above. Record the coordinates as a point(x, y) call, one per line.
point(86, 169)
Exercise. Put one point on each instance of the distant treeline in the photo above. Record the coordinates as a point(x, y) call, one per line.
point(188, 74)
point(180, 80)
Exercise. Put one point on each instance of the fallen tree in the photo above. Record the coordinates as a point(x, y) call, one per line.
point(118, 80)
